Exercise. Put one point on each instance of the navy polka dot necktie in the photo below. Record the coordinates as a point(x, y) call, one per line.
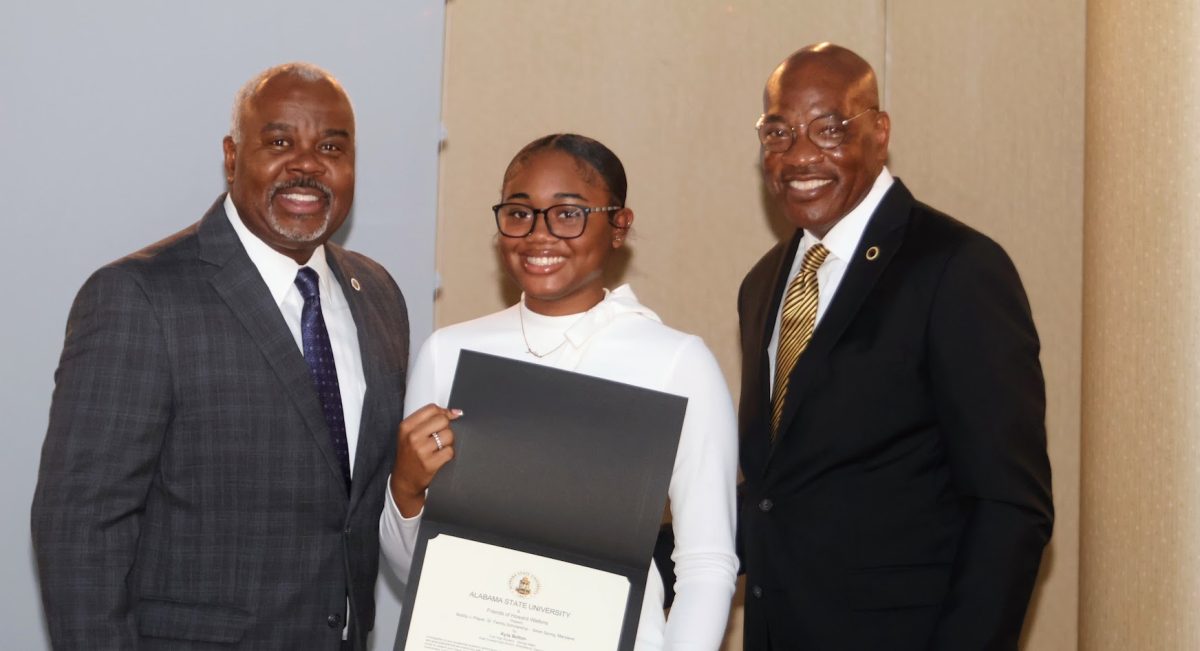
point(319, 354)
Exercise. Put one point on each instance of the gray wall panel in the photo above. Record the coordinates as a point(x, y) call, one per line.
point(113, 115)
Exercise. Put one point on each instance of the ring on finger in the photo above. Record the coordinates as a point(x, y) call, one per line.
point(437, 439)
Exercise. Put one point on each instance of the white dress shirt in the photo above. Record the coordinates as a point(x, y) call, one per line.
point(279, 273)
point(619, 339)
point(841, 241)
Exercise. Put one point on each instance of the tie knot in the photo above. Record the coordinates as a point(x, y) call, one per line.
point(813, 258)
point(306, 282)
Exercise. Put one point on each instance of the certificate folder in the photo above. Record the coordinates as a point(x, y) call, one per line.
point(560, 465)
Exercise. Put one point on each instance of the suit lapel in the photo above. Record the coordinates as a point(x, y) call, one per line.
point(764, 325)
point(761, 309)
point(240, 285)
point(883, 236)
point(368, 448)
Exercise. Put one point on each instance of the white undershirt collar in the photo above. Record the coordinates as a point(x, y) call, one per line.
point(544, 332)
point(277, 270)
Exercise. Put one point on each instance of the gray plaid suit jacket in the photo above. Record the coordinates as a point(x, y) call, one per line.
point(189, 496)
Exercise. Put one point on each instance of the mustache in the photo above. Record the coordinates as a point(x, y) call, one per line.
point(303, 182)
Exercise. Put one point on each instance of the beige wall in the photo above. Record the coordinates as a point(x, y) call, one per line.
point(1140, 571)
point(986, 99)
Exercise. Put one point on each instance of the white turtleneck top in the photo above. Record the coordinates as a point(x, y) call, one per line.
point(620, 339)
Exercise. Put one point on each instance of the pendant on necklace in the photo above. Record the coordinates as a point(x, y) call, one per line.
point(529, 348)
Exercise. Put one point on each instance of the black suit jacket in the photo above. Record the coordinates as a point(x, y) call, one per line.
point(906, 502)
point(189, 496)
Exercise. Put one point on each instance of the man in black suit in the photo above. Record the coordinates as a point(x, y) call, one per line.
point(225, 410)
point(897, 488)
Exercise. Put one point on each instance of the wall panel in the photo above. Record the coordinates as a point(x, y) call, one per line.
point(986, 100)
point(114, 114)
point(1140, 557)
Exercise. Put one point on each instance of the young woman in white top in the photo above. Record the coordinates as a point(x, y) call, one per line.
point(561, 216)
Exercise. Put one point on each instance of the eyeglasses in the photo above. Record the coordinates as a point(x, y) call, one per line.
point(565, 221)
point(825, 132)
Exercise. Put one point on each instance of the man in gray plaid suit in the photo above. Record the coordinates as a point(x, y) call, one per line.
point(225, 409)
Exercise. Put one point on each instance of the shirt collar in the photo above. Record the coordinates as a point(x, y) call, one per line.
point(843, 238)
point(581, 327)
point(276, 269)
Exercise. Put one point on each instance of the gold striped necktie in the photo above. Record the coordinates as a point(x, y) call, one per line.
point(797, 322)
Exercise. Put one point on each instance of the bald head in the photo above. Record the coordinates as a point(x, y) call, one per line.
point(832, 63)
point(824, 136)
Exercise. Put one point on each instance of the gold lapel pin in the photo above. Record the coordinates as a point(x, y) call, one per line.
point(354, 283)
point(873, 253)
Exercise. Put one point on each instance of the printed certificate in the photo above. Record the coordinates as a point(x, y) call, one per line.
point(479, 597)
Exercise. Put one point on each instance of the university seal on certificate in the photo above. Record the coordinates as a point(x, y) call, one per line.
point(524, 584)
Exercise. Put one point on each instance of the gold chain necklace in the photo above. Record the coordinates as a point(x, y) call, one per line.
point(528, 348)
